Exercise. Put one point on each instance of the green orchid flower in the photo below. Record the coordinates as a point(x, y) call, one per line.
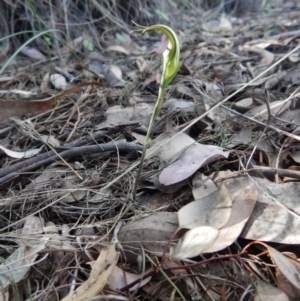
point(170, 55)
point(171, 66)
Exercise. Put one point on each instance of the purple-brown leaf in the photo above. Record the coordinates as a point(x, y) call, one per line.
point(189, 161)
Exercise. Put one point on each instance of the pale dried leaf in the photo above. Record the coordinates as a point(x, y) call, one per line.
point(143, 65)
point(270, 221)
point(19, 262)
point(47, 177)
point(262, 44)
point(21, 155)
point(120, 278)
point(295, 57)
point(95, 66)
point(101, 270)
point(56, 241)
point(149, 80)
point(267, 58)
point(6, 78)
point(184, 90)
point(292, 76)
point(225, 24)
point(244, 200)
point(51, 140)
point(286, 267)
point(276, 107)
point(244, 103)
point(100, 195)
point(140, 138)
point(211, 26)
point(58, 81)
point(113, 76)
point(266, 292)
point(94, 55)
point(168, 151)
point(272, 82)
point(33, 53)
point(45, 83)
point(203, 186)
point(50, 227)
point(74, 195)
point(179, 104)
point(259, 81)
point(75, 45)
point(118, 48)
point(292, 116)
point(244, 136)
point(283, 284)
point(152, 232)
point(26, 94)
point(4, 296)
point(140, 112)
point(213, 90)
point(33, 225)
point(213, 210)
point(194, 242)
point(295, 154)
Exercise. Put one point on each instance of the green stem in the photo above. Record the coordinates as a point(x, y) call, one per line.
point(40, 27)
point(20, 48)
point(156, 111)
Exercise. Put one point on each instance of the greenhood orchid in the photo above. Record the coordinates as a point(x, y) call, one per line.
point(171, 66)
point(170, 55)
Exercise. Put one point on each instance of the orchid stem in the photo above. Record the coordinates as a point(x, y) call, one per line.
point(170, 68)
point(156, 111)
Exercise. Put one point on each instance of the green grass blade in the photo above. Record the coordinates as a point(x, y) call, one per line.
point(24, 45)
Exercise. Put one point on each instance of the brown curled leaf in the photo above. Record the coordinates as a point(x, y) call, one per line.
point(18, 108)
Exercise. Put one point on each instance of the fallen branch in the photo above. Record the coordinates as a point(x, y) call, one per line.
point(13, 171)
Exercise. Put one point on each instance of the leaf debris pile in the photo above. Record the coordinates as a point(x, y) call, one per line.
point(216, 215)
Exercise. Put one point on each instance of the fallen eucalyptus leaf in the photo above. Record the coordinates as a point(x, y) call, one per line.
point(152, 232)
point(243, 204)
point(194, 242)
point(266, 291)
point(120, 278)
point(113, 76)
point(203, 186)
point(212, 210)
point(20, 155)
point(101, 270)
point(286, 267)
point(189, 161)
point(15, 267)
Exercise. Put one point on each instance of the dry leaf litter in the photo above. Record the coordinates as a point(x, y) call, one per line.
point(217, 211)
